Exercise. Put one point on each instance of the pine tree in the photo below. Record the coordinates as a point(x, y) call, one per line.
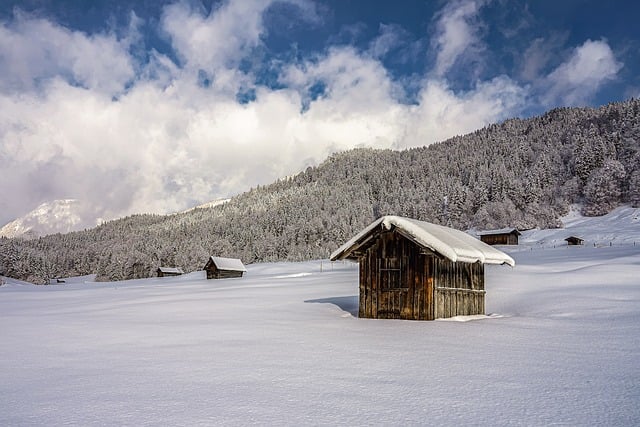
point(603, 189)
point(634, 189)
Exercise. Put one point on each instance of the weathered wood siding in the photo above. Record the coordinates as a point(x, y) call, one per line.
point(167, 274)
point(395, 280)
point(500, 239)
point(398, 280)
point(459, 288)
point(214, 273)
point(574, 241)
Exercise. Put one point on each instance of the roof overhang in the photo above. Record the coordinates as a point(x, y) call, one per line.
point(226, 264)
point(449, 243)
point(499, 232)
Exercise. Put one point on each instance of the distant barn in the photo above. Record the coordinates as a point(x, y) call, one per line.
point(169, 271)
point(504, 236)
point(224, 268)
point(574, 241)
point(416, 270)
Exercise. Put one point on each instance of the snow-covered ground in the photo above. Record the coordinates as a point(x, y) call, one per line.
point(281, 346)
point(619, 227)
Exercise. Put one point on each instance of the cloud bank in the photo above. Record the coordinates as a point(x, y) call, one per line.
point(83, 117)
point(584, 72)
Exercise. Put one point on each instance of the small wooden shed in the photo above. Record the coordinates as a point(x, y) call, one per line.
point(503, 236)
point(416, 270)
point(224, 268)
point(574, 241)
point(169, 271)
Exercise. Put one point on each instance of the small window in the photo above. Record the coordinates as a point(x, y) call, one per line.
point(390, 274)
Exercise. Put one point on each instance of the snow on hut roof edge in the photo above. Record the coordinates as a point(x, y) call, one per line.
point(231, 264)
point(171, 270)
point(455, 245)
point(499, 231)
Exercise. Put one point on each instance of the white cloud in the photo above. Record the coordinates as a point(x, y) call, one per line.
point(361, 105)
point(224, 37)
point(575, 81)
point(216, 41)
point(443, 113)
point(457, 34)
point(33, 50)
point(390, 36)
point(167, 143)
point(537, 56)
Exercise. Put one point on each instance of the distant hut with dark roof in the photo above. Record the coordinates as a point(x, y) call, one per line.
point(503, 236)
point(416, 270)
point(224, 268)
point(169, 271)
point(574, 241)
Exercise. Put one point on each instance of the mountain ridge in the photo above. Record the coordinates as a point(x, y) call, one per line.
point(522, 173)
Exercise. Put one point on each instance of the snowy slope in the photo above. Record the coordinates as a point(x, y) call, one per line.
point(619, 227)
point(281, 346)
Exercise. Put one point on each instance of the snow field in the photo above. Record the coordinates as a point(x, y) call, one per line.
point(281, 346)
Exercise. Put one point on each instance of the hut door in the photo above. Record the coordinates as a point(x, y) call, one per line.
point(393, 296)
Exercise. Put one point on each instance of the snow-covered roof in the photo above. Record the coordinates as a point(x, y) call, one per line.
point(171, 270)
point(499, 231)
point(452, 244)
point(230, 264)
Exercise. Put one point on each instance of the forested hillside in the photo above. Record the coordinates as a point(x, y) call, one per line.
point(520, 173)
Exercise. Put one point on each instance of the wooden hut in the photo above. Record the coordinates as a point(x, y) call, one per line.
point(574, 241)
point(415, 270)
point(224, 268)
point(504, 236)
point(169, 271)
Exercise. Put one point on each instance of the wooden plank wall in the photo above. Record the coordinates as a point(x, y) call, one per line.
point(214, 273)
point(380, 296)
point(452, 302)
point(424, 288)
point(459, 288)
point(500, 239)
point(226, 274)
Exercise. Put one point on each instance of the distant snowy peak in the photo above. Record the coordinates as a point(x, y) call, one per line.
point(64, 216)
point(58, 216)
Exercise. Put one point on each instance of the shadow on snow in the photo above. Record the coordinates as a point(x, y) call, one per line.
point(348, 304)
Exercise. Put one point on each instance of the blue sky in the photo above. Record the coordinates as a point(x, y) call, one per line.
point(153, 106)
